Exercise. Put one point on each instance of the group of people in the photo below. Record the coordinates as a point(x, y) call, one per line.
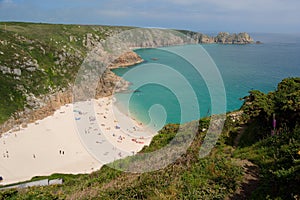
point(61, 152)
point(5, 154)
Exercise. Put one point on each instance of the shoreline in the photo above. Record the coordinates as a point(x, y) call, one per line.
point(55, 144)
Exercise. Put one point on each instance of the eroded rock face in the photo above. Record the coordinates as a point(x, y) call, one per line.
point(206, 39)
point(109, 84)
point(48, 105)
point(226, 38)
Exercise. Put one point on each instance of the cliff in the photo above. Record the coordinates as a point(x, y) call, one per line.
point(39, 64)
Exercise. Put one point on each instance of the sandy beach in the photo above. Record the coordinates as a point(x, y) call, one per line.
point(78, 138)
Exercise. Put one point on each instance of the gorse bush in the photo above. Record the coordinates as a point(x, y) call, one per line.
point(283, 105)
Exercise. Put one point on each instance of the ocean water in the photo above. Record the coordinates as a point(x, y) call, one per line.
point(166, 88)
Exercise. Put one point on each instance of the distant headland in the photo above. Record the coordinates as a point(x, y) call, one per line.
point(221, 38)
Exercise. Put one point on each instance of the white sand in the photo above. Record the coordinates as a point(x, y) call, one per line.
point(78, 138)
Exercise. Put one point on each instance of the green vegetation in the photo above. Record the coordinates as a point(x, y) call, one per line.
point(278, 156)
point(38, 59)
point(279, 163)
point(261, 109)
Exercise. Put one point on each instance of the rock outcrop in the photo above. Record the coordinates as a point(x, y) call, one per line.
point(126, 60)
point(226, 38)
point(221, 38)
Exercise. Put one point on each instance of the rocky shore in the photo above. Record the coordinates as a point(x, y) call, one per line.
point(126, 60)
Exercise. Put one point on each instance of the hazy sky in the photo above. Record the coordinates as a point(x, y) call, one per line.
point(199, 15)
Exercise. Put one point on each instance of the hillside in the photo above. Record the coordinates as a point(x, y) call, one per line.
point(258, 166)
point(39, 63)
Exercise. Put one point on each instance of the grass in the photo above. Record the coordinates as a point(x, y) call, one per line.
point(47, 44)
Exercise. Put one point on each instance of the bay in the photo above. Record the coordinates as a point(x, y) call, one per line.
point(242, 68)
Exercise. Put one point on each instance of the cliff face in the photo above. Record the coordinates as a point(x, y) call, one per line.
point(47, 107)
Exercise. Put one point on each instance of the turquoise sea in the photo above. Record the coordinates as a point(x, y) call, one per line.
point(242, 68)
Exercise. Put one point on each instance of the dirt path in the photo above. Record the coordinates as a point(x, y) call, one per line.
point(251, 174)
point(250, 181)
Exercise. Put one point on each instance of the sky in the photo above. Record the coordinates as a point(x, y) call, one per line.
point(262, 16)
